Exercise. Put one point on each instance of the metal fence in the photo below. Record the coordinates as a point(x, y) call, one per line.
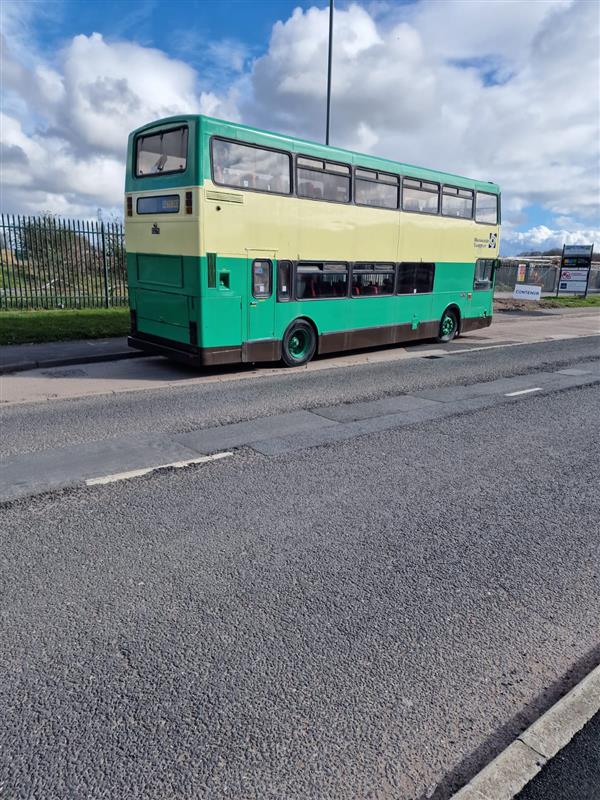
point(544, 275)
point(47, 262)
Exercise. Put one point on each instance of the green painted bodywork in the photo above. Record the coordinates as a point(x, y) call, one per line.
point(168, 292)
point(227, 316)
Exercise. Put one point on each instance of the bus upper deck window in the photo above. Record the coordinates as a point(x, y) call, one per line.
point(162, 152)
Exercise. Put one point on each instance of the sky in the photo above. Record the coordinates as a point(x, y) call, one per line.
point(492, 89)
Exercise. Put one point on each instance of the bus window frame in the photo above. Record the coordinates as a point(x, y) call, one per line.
point(269, 261)
point(458, 189)
point(493, 194)
point(437, 213)
point(146, 134)
point(415, 264)
point(348, 202)
point(316, 262)
point(377, 172)
point(376, 266)
point(285, 298)
point(287, 153)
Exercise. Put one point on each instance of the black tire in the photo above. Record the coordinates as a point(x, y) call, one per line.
point(299, 343)
point(448, 326)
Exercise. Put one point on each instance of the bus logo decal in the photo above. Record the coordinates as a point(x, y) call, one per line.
point(155, 228)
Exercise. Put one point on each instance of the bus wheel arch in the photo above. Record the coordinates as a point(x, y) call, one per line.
point(450, 323)
point(299, 342)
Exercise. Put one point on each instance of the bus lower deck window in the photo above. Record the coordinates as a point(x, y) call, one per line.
point(316, 281)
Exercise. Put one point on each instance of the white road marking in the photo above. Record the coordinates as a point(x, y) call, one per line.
point(524, 391)
point(135, 473)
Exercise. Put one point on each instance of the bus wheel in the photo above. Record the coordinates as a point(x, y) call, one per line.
point(448, 326)
point(299, 344)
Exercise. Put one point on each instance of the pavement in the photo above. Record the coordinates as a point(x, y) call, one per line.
point(20, 357)
point(374, 615)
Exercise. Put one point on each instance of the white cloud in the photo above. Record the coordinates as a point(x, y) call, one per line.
point(65, 128)
point(500, 91)
point(541, 237)
point(398, 91)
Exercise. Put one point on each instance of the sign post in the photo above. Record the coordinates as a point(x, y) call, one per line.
point(575, 268)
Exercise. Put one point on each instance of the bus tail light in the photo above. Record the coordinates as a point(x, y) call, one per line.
point(129, 206)
point(188, 202)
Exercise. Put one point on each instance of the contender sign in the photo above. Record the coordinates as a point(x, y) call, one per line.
point(524, 291)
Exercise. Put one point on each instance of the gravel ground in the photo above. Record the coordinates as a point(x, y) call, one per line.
point(360, 620)
point(40, 426)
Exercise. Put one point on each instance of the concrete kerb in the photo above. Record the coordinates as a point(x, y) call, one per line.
point(520, 762)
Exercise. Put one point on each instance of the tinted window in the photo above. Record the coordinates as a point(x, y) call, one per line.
point(424, 278)
point(376, 189)
point(284, 278)
point(247, 167)
point(420, 196)
point(322, 180)
point(314, 281)
point(374, 281)
point(484, 273)
point(415, 278)
point(261, 278)
point(161, 152)
point(457, 202)
point(166, 204)
point(486, 208)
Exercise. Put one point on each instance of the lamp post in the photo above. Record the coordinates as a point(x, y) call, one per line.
point(329, 71)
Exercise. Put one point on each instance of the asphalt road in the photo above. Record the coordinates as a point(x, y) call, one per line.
point(35, 427)
point(372, 618)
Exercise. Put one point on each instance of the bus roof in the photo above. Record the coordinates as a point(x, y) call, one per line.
point(219, 127)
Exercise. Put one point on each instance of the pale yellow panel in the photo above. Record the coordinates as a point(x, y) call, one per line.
point(233, 221)
point(436, 238)
point(179, 233)
point(309, 229)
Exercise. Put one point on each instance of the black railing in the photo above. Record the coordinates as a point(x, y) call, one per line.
point(47, 262)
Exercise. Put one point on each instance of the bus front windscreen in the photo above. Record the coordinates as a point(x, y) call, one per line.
point(162, 152)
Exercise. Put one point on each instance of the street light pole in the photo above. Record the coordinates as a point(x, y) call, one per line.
point(329, 71)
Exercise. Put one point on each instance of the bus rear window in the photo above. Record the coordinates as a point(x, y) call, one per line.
point(162, 152)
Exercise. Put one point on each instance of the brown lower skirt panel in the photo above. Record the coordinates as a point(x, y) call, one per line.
point(263, 350)
point(376, 337)
point(270, 349)
point(474, 323)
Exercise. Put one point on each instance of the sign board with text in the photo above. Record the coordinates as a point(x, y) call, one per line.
point(578, 250)
point(575, 268)
point(525, 291)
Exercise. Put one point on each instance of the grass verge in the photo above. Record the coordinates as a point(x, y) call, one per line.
point(19, 327)
point(591, 301)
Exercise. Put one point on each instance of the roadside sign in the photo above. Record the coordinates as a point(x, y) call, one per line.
point(575, 268)
point(527, 292)
point(578, 250)
point(522, 271)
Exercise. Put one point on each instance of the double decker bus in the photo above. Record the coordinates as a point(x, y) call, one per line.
point(247, 246)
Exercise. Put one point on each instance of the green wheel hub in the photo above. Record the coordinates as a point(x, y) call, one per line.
point(298, 344)
point(448, 325)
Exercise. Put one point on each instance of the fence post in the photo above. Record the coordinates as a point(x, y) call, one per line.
point(105, 262)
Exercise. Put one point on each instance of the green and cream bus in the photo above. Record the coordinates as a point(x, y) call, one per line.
point(245, 246)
